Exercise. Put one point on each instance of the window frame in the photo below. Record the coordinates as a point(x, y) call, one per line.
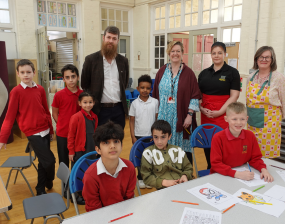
point(11, 9)
point(232, 6)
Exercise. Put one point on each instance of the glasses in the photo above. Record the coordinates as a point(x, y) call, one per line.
point(261, 58)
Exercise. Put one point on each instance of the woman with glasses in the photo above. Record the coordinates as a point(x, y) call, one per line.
point(265, 100)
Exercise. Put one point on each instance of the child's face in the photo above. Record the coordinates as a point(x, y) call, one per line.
point(70, 79)
point(144, 89)
point(111, 149)
point(86, 103)
point(160, 139)
point(26, 74)
point(236, 121)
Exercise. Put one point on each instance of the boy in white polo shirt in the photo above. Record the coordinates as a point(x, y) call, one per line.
point(143, 113)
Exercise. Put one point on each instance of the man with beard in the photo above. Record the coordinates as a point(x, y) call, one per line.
point(106, 74)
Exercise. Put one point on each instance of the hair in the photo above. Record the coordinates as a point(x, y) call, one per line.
point(24, 62)
point(85, 93)
point(219, 44)
point(237, 108)
point(145, 78)
point(108, 131)
point(172, 44)
point(70, 67)
point(259, 52)
point(161, 125)
point(113, 30)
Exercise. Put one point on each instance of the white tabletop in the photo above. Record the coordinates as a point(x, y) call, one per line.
point(156, 207)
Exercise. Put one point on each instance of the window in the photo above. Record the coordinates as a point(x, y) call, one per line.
point(232, 10)
point(5, 17)
point(231, 34)
point(159, 51)
point(191, 12)
point(115, 17)
point(56, 14)
point(175, 15)
point(210, 11)
point(160, 18)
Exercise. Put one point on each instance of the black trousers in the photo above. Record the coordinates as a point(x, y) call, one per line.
point(207, 152)
point(46, 166)
point(115, 114)
point(62, 150)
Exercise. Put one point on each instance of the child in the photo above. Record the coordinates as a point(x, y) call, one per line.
point(111, 179)
point(235, 146)
point(28, 104)
point(143, 113)
point(164, 165)
point(65, 105)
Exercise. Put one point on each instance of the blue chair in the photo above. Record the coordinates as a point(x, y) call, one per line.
point(136, 154)
point(202, 138)
point(129, 87)
point(136, 94)
point(76, 176)
point(129, 96)
point(152, 86)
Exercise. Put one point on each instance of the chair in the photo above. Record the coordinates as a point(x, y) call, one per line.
point(76, 176)
point(51, 204)
point(19, 163)
point(152, 84)
point(136, 154)
point(129, 96)
point(202, 138)
point(129, 87)
point(136, 94)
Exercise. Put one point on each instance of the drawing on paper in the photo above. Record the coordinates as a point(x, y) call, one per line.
point(211, 193)
point(192, 217)
point(246, 197)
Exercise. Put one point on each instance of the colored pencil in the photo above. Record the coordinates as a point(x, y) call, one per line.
point(228, 208)
point(185, 202)
point(187, 131)
point(258, 188)
point(260, 202)
point(121, 217)
point(248, 166)
point(278, 167)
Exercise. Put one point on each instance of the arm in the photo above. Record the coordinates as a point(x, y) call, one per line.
point(55, 107)
point(55, 114)
point(193, 106)
point(255, 160)
point(281, 93)
point(127, 73)
point(132, 129)
point(132, 183)
point(45, 105)
point(86, 74)
point(72, 135)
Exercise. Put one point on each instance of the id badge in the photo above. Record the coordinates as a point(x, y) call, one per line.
point(170, 100)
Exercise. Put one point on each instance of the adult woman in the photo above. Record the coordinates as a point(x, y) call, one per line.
point(220, 86)
point(265, 100)
point(177, 90)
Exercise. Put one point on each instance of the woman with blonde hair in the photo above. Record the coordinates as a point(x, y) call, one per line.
point(265, 100)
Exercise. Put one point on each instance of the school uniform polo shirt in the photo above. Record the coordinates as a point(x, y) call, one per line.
point(144, 113)
point(67, 104)
point(219, 82)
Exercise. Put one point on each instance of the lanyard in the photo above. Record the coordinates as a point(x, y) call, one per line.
point(173, 80)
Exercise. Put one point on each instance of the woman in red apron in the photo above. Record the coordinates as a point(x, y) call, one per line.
point(220, 86)
point(265, 100)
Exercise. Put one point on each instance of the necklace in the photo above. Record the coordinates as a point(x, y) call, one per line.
point(261, 80)
point(173, 80)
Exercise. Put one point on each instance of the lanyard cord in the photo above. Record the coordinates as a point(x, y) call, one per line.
point(173, 80)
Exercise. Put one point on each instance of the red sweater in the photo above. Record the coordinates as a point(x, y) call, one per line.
point(76, 138)
point(103, 190)
point(29, 107)
point(228, 151)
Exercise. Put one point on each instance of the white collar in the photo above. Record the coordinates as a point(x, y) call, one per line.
point(25, 85)
point(105, 59)
point(101, 168)
point(148, 100)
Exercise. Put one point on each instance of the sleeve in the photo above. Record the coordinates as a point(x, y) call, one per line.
point(45, 105)
point(187, 168)
point(86, 74)
point(281, 93)
point(10, 117)
point(255, 160)
point(156, 106)
point(217, 158)
point(55, 102)
point(194, 105)
point(96, 122)
point(72, 134)
point(127, 73)
point(132, 111)
point(90, 193)
point(132, 182)
point(235, 83)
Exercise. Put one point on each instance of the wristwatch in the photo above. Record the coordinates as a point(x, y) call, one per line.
point(190, 113)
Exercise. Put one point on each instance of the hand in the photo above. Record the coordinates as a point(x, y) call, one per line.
point(134, 139)
point(71, 158)
point(244, 175)
point(51, 137)
point(183, 179)
point(3, 144)
point(206, 111)
point(266, 175)
point(214, 113)
point(169, 183)
point(187, 121)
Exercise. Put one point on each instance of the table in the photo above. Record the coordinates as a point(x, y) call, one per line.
point(156, 207)
point(5, 202)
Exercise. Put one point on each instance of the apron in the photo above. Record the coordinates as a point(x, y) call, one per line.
point(264, 118)
point(214, 102)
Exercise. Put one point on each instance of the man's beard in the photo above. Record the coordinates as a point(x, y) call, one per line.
point(107, 51)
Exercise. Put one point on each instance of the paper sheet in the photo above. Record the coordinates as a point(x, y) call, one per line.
point(251, 183)
point(277, 192)
point(281, 174)
point(197, 216)
point(213, 196)
point(245, 195)
point(232, 62)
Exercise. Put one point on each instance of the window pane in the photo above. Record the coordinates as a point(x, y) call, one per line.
point(157, 13)
point(177, 21)
point(197, 62)
point(4, 4)
point(118, 15)
point(178, 9)
point(195, 5)
point(104, 24)
point(171, 22)
point(238, 1)
point(237, 12)
point(111, 14)
point(103, 13)
point(197, 43)
point(194, 19)
point(123, 46)
point(228, 2)
point(236, 35)
point(162, 40)
point(171, 10)
point(162, 24)
point(156, 52)
point(162, 52)
point(227, 35)
point(156, 63)
point(206, 15)
point(156, 41)
point(4, 16)
point(161, 62)
point(206, 4)
point(188, 6)
point(162, 11)
point(111, 23)
point(157, 24)
point(125, 16)
point(207, 61)
point(228, 14)
point(214, 16)
point(125, 27)
point(187, 20)
point(208, 42)
point(215, 3)
point(119, 25)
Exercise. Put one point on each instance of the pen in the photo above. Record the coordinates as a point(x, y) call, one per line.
point(185, 202)
point(187, 131)
point(260, 202)
point(278, 167)
point(121, 217)
point(248, 167)
point(258, 188)
point(228, 208)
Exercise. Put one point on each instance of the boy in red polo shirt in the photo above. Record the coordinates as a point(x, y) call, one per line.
point(235, 146)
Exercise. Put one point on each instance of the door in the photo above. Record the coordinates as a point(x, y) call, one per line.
point(199, 57)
